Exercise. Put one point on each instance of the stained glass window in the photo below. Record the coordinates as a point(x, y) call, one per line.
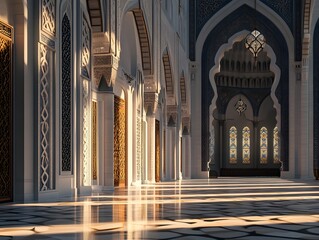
point(246, 145)
point(66, 94)
point(263, 145)
point(276, 145)
point(233, 145)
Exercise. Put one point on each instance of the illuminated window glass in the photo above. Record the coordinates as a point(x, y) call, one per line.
point(233, 145)
point(246, 145)
point(276, 145)
point(263, 145)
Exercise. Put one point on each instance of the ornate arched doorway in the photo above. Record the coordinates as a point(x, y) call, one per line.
point(245, 117)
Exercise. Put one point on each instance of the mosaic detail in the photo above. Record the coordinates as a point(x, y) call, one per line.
point(138, 148)
point(94, 140)
point(86, 43)
point(246, 145)
point(284, 8)
point(233, 145)
point(5, 118)
point(48, 16)
point(45, 158)
point(157, 151)
point(119, 142)
point(276, 145)
point(86, 135)
point(205, 9)
point(66, 95)
point(263, 145)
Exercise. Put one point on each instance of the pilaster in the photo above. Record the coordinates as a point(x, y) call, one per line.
point(151, 105)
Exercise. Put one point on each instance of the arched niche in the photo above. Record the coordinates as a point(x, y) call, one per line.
point(219, 35)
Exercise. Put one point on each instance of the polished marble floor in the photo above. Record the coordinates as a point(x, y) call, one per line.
point(224, 208)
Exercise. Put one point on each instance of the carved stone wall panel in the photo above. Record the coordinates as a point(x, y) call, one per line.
point(119, 142)
point(5, 113)
point(48, 16)
point(45, 123)
point(86, 134)
point(86, 48)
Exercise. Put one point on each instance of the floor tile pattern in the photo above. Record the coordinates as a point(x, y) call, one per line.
point(224, 208)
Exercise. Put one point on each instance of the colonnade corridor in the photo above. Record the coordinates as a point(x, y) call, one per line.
point(224, 208)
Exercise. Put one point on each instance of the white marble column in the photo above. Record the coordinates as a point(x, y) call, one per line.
point(306, 165)
point(170, 153)
point(151, 147)
point(186, 152)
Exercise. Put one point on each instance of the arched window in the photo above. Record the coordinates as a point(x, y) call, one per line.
point(233, 145)
point(246, 145)
point(263, 145)
point(276, 145)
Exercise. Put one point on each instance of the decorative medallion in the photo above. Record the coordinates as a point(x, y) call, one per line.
point(240, 106)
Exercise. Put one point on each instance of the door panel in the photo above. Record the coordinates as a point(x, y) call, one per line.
point(120, 164)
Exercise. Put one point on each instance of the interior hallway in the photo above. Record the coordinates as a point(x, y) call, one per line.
point(224, 208)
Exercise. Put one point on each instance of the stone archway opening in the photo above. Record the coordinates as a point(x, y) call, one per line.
point(244, 84)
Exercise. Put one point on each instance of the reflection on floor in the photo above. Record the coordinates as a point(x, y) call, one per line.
point(225, 208)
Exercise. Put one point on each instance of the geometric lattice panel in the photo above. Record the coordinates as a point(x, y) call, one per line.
point(5, 119)
point(119, 142)
point(66, 95)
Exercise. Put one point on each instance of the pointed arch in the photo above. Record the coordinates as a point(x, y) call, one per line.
point(182, 85)
point(168, 73)
point(144, 41)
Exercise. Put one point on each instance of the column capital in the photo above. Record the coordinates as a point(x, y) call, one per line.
point(105, 68)
point(171, 111)
point(186, 123)
point(151, 102)
point(150, 84)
